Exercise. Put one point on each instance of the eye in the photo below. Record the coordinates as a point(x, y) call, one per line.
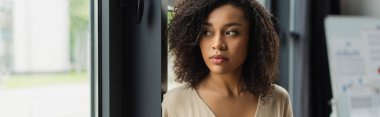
point(231, 33)
point(207, 33)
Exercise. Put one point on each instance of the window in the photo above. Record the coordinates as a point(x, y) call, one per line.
point(45, 58)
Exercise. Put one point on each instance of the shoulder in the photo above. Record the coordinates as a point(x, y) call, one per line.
point(178, 93)
point(278, 92)
point(276, 96)
point(276, 103)
point(175, 102)
point(177, 96)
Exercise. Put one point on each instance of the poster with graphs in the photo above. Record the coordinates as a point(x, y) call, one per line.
point(353, 45)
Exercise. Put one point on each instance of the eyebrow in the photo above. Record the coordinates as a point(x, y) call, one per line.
point(225, 25)
point(232, 24)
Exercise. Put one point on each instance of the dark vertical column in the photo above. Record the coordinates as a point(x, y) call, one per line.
point(142, 66)
point(119, 42)
point(320, 88)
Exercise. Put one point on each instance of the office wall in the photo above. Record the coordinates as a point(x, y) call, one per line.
point(360, 7)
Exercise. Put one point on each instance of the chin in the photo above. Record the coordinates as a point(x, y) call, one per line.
point(219, 71)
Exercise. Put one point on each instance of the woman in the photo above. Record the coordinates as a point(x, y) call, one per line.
point(226, 51)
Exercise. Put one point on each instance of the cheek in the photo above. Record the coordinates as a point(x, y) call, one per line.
point(241, 51)
point(203, 48)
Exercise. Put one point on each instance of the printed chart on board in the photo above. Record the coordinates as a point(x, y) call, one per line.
point(353, 45)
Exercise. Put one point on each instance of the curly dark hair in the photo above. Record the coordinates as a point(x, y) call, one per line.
point(260, 69)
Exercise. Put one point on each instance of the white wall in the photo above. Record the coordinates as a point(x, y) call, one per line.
point(361, 7)
point(41, 36)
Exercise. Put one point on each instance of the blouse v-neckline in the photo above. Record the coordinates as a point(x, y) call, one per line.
point(195, 93)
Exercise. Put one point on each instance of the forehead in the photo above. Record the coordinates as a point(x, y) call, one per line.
point(226, 13)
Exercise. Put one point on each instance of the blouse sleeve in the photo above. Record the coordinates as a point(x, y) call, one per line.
point(288, 112)
point(164, 111)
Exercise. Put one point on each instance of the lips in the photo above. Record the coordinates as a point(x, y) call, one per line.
point(218, 59)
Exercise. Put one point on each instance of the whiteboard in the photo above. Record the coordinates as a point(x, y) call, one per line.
point(353, 47)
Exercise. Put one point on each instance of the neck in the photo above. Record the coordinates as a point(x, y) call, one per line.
point(228, 84)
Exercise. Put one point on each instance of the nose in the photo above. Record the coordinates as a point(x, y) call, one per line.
point(219, 43)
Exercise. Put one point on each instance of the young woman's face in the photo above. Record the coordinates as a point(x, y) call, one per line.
point(224, 42)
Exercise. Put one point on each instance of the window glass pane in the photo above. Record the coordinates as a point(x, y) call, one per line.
point(262, 2)
point(44, 58)
point(171, 75)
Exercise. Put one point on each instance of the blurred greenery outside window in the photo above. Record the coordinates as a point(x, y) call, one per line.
point(44, 58)
point(79, 27)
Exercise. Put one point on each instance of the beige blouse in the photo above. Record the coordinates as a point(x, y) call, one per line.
point(185, 102)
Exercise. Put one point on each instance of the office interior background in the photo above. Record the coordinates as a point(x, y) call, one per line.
point(90, 58)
